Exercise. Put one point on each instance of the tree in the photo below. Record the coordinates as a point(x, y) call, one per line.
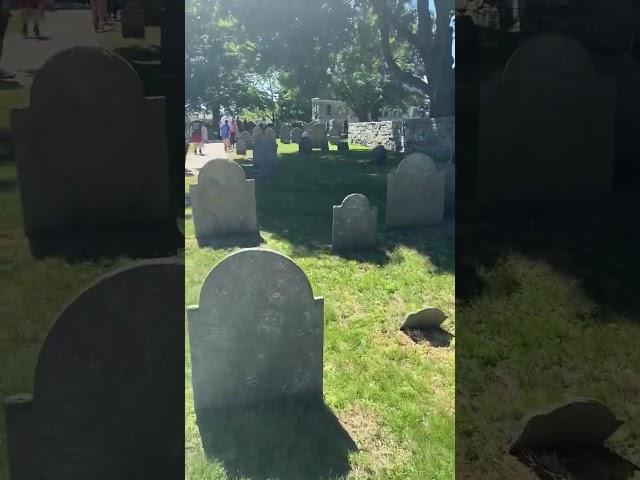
point(429, 37)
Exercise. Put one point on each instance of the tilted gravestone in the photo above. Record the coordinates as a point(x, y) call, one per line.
point(354, 224)
point(224, 204)
point(285, 134)
point(104, 192)
point(241, 147)
point(257, 335)
point(415, 193)
point(265, 152)
point(132, 21)
point(305, 145)
point(546, 136)
point(245, 135)
point(296, 133)
point(108, 387)
point(318, 135)
point(270, 133)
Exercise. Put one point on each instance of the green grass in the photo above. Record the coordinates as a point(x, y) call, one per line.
point(531, 339)
point(395, 398)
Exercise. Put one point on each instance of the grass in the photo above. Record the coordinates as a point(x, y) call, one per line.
point(533, 338)
point(394, 398)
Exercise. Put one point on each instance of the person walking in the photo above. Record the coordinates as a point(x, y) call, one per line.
point(233, 132)
point(98, 13)
point(5, 16)
point(112, 10)
point(225, 133)
point(30, 12)
point(196, 137)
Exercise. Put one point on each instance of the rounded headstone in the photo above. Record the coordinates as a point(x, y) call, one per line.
point(305, 145)
point(343, 146)
point(270, 133)
point(296, 133)
point(241, 147)
point(379, 155)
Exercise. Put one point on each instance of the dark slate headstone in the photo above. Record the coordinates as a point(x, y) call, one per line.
point(84, 201)
point(305, 145)
point(379, 155)
point(108, 393)
point(265, 152)
point(355, 224)
point(132, 21)
point(241, 147)
point(257, 335)
point(343, 146)
point(546, 129)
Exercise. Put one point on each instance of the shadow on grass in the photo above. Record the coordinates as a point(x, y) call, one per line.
point(435, 337)
point(8, 185)
point(288, 442)
point(140, 54)
point(9, 85)
point(296, 205)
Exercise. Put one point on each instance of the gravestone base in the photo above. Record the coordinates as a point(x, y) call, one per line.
point(244, 241)
point(153, 241)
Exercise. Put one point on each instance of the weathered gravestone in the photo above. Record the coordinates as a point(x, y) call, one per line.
point(224, 205)
point(296, 133)
point(354, 224)
point(305, 145)
point(270, 133)
point(107, 396)
point(256, 134)
point(245, 135)
point(318, 135)
point(265, 152)
point(132, 21)
point(546, 129)
point(343, 146)
point(256, 337)
point(85, 195)
point(285, 134)
point(415, 193)
point(379, 155)
point(241, 147)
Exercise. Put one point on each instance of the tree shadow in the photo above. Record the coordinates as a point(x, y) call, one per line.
point(8, 185)
point(290, 441)
point(232, 241)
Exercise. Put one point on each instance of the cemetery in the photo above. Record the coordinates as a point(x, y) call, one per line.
point(92, 273)
point(546, 99)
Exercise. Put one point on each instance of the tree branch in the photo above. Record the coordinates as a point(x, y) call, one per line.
point(401, 76)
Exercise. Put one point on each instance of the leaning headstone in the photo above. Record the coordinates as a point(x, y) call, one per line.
point(265, 152)
point(354, 224)
point(428, 317)
point(343, 146)
point(85, 201)
point(96, 383)
point(245, 135)
point(415, 193)
point(241, 147)
point(296, 133)
point(379, 155)
point(257, 335)
point(305, 145)
point(132, 21)
point(285, 134)
point(546, 135)
point(318, 136)
point(224, 205)
point(270, 133)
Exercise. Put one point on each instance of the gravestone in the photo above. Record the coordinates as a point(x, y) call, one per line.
point(296, 133)
point(132, 21)
point(285, 134)
point(354, 224)
point(305, 145)
point(265, 152)
point(257, 335)
point(270, 133)
point(415, 193)
point(318, 135)
point(241, 147)
point(343, 146)
point(224, 204)
point(546, 136)
point(153, 10)
point(245, 135)
point(99, 198)
point(100, 409)
point(449, 170)
point(379, 155)
point(256, 134)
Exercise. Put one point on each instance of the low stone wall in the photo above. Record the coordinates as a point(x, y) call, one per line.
point(434, 136)
point(371, 134)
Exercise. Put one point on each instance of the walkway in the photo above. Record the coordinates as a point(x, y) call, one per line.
point(211, 150)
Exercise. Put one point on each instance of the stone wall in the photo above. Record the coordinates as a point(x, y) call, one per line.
point(371, 134)
point(433, 136)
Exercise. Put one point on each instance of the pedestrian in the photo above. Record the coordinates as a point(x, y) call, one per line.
point(233, 132)
point(196, 137)
point(112, 9)
point(225, 133)
point(5, 16)
point(98, 13)
point(30, 11)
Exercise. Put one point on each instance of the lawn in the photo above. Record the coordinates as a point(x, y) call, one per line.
point(394, 398)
